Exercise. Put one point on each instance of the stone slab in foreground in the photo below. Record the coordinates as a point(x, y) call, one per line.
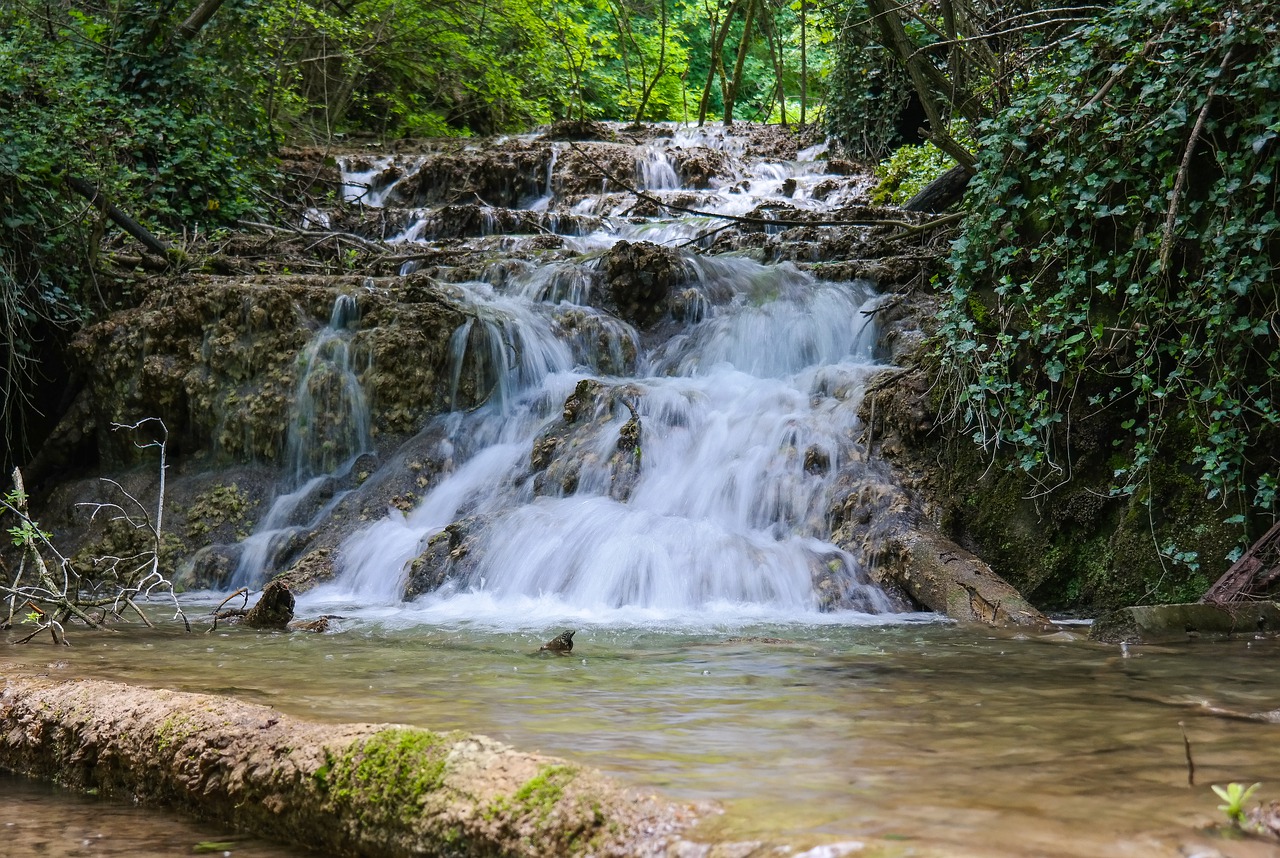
point(1152, 623)
point(347, 789)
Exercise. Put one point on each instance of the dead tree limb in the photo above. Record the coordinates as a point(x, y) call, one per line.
point(1254, 573)
point(122, 220)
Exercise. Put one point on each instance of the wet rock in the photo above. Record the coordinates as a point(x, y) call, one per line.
point(210, 568)
point(1158, 623)
point(584, 443)
point(699, 168)
point(274, 608)
point(612, 345)
point(445, 557)
point(314, 567)
point(593, 168)
point(504, 176)
point(641, 277)
point(583, 399)
point(579, 129)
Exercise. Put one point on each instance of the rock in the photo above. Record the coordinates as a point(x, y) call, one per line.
point(274, 609)
point(445, 556)
point(579, 129)
point(572, 445)
point(641, 276)
point(698, 167)
point(1151, 623)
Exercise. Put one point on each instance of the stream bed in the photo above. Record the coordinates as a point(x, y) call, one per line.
point(911, 737)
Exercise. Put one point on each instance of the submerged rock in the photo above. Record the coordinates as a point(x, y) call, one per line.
point(1157, 623)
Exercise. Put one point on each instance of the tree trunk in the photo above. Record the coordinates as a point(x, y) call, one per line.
point(804, 63)
point(1254, 573)
point(732, 95)
point(717, 48)
point(310, 784)
point(190, 28)
point(657, 72)
point(939, 194)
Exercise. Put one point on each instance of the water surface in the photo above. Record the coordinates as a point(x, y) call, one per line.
point(913, 738)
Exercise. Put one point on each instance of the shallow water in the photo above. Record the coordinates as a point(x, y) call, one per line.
point(912, 738)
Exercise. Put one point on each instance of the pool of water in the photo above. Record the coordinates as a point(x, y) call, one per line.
point(914, 738)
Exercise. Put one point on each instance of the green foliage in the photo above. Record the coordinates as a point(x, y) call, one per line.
point(1123, 230)
point(907, 171)
point(868, 90)
point(163, 129)
point(1234, 795)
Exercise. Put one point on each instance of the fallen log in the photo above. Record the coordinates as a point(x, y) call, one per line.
point(879, 522)
point(1254, 574)
point(345, 789)
point(942, 192)
point(122, 220)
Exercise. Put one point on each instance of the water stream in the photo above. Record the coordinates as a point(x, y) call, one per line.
point(707, 664)
point(759, 379)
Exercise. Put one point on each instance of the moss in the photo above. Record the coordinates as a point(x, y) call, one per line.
point(536, 798)
point(1079, 547)
point(174, 731)
point(219, 506)
point(540, 793)
point(388, 776)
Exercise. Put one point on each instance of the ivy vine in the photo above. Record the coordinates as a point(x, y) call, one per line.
point(1119, 255)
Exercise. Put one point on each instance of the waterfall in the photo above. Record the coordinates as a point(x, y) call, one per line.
point(328, 430)
point(694, 482)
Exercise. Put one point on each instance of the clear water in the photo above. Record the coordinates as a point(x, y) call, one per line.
point(913, 738)
point(703, 666)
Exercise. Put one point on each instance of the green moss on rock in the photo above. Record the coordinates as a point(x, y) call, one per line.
point(389, 776)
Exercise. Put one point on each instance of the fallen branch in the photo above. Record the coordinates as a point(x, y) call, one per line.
point(122, 220)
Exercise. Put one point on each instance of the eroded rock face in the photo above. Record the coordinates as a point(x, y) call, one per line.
point(587, 437)
point(641, 277)
point(217, 359)
point(446, 557)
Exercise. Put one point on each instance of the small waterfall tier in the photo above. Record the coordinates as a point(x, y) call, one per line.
point(661, 427)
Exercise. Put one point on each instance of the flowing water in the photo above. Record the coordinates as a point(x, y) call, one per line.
point(707, 664)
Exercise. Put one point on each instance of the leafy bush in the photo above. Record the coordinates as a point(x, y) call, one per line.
point(907, 171)
point(161, 127)
point(1118, 259)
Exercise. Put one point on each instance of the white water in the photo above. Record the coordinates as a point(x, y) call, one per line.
point(724, 524)
point(328, 430)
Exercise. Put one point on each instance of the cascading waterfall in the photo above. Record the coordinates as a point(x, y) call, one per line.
point(328, 430)
point(746, 416)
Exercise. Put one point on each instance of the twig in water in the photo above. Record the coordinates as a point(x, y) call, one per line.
point(1186, 745)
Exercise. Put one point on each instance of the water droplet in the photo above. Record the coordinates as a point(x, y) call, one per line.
point(706, 673)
